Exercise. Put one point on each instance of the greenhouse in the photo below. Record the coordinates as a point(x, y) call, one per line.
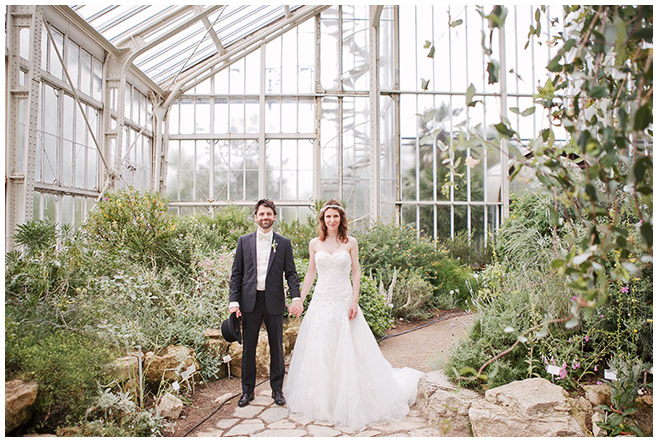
point(477, 152)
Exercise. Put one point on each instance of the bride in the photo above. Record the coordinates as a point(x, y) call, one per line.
point(337, 372)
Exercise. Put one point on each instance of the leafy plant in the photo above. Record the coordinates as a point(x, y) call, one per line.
point(134, 225)
point(412, 295)
point(623, 393)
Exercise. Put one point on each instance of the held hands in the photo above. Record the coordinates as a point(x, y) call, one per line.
point(296, 308)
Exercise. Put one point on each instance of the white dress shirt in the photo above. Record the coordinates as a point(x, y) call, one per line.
point(263, 250)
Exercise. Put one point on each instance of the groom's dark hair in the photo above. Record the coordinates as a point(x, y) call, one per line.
point(267, 203)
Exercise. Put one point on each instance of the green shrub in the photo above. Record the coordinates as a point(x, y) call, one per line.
point(520, 290)
point(136, 226)
point(386, 247)
point(412, 295)
point(116, 415)
point(300, 234)
point(468, 251)
point(374, 308)
point(66, 365)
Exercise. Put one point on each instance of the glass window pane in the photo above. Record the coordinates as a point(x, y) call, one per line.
point(273, 116)
point(49, 158)
point(202, 184)
point(66, 174)
point(220, 173)
point(252, 119)
point(24, 42)
point(202, 116)
point(236, 77)
point(236, 111)
point(85, 72)
point(92, 168)
point(186, 175)
point(66, 215)
point(80, 164)
point(97, 80)
point(51, 111)
point(220, 122)
point(252, 83)
point(187, 116)
point(289, 123)
point(173, 157)
point(55, 67)
point(173, 118)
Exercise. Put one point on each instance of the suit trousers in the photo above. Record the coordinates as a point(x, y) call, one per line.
point(251, 323)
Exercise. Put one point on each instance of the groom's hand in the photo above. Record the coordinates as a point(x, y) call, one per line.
point(235, 310)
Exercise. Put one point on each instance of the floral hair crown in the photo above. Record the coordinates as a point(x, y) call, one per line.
point(332, 206)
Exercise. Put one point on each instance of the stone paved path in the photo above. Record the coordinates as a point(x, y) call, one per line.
point(263, 418)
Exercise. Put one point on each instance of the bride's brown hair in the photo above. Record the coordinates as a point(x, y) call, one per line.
point(342, 227)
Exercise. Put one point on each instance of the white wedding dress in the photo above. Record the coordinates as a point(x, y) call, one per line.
point(337, 372)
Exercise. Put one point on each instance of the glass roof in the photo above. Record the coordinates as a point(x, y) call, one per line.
point(171, 39)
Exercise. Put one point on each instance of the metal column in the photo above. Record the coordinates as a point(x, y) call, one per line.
point(375, 148)
point(19, 172)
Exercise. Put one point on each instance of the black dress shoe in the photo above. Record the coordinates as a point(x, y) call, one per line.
point(244, 400)
point(278, 398)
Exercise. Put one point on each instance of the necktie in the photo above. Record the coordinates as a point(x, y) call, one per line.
point(263, 236)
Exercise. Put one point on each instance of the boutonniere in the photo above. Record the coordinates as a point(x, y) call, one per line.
point(274, 244)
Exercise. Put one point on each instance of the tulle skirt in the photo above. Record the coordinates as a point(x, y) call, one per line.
point(338, 373)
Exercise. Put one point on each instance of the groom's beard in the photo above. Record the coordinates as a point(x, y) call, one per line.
point(265, 223)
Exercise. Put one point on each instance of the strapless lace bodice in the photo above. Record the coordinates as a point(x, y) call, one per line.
point(333, 285)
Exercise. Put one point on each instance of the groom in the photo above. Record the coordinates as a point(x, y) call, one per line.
point(256, 294)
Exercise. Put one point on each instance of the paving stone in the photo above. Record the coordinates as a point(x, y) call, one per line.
point(348, 430)
point(273, 414)
point(414, 412)
point(282, 424)
point(262, 400)
point(368, 433)
point(280, 433)
point(265, 392)
point(226, 423)
point(247, 412)
point(245, 429)
point(323, 423)
point(398, 435)
point(426, 432)
point(318, 431)
point(209, 433)
point(394, 426)
point(299, 418)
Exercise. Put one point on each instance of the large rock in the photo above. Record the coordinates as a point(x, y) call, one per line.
point(125, 368)
point(19, 395)
point(169, 364)
point(597, 394)
point(444, 404)
point(170, 406)
point(529, 408)
point(262, 356)
point(289, 339)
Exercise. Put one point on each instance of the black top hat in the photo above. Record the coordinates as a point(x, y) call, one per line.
point(231, 330)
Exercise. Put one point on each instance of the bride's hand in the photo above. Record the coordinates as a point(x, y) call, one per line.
point(354, 308)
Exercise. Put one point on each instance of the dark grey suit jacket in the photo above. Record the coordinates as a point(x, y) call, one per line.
point(243, 274)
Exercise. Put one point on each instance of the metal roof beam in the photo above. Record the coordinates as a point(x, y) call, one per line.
point(212, 33)
point(242, 48)
point(154, 24)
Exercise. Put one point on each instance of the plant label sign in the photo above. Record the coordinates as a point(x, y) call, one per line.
point(553, 369)
point(227, 359)
point(175, 386)
point(611, 375)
